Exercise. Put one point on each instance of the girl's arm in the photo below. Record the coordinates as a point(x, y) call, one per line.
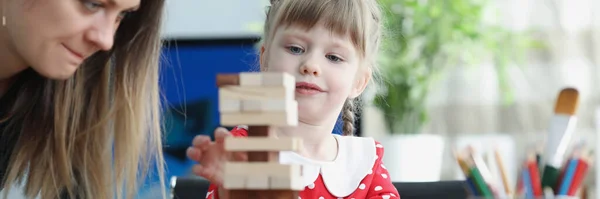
point(381, 185)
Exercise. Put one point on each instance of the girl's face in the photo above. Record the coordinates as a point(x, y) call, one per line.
point(54, 37)
point(327, 68)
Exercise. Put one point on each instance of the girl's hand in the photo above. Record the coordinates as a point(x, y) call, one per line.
point(212, 156)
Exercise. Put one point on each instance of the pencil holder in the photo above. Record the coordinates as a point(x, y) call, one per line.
point(535, 179)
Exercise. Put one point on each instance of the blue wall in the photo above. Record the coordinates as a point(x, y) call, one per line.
point(188, 81)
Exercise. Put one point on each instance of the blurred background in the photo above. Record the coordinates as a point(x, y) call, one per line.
point(481, 73)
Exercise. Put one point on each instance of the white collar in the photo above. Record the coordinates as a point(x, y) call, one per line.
point(355, 159)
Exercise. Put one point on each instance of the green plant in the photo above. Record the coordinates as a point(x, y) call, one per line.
point(426, 37)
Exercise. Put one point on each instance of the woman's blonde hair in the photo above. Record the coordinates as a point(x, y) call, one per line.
point(361, 19)
point(96, 134)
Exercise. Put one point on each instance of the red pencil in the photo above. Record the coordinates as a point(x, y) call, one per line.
point(579, 176)
point(520, 188)
point(534, 173)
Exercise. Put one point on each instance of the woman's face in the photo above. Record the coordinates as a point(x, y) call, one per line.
point(55, 36)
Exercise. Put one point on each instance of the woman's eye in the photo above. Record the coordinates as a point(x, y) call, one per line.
point(123, 14)
point(334, 58)
point(296, 50)
point(92, 5)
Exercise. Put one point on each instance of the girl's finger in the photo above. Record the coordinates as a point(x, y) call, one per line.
point(220, 135)
point(206, 173)
point(240, 156)
point(201, 141)
point(194, 154)
point(199, 170)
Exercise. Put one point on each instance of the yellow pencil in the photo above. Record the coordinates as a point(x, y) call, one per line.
point(502, 172)
point(461, 162)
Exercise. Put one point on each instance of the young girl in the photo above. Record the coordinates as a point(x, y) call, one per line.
point(330, 47)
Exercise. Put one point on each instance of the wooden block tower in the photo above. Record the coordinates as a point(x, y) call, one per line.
point(261, 100)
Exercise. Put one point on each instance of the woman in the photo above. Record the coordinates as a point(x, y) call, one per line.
point(79, 101)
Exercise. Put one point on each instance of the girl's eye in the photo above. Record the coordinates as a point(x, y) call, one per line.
point(334, 58)
point(295, 50)
point(92, 5)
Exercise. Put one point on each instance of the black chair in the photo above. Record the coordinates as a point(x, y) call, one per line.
point(195, 188)
point(432, 190)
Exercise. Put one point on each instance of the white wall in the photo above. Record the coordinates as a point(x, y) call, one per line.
point(201, 19)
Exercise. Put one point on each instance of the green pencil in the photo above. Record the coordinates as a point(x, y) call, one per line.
point(480, 183)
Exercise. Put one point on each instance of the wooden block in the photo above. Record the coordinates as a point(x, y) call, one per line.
point(252, 182)
point(256, 93)
point(267, 79)
point(286, 183)
point(234, 182)
point(233, 105)
point(276, 105)
point(262, 144)
point(258, 182)
point(228, 80)
point(274, 169)
point(230, 106)
point(289, 118)
point(263, 194)
point(251, 79)
point(278, 79)
point(263, 156)
point(259, 131)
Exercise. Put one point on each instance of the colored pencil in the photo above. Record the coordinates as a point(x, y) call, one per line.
point(528, 188)
point(464, 167)
point(569, 174)
point(485, 173)
point(580, 173)
point(520, 187)
point(468, 178)
point(478, 180)
point(481, 166)
point(471, 188)
point(534, 175)
point(502, 172)
point(561, 176)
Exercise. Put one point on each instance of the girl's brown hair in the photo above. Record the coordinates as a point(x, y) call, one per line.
point(96, 134)
point(360, 18)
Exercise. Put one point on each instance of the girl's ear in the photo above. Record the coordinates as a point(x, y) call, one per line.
point(361, 82)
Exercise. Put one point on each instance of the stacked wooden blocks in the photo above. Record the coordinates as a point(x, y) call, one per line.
point(261, 100)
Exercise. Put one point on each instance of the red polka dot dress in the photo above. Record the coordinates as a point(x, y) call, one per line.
point(357, 172)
